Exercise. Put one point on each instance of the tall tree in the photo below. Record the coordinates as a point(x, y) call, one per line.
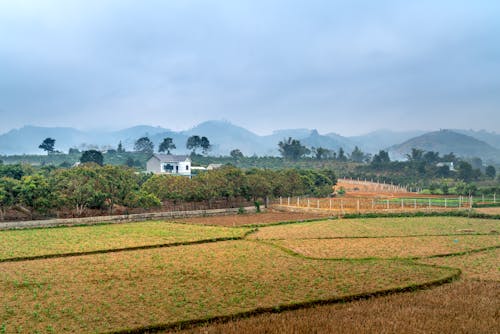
point(292, 149)
point(321, 153)
point(382, 157)
point(166, 145)
point(92, 156)
point(120, 148)
point(357, 155)
point(205, 145)
point(490, 172)
point(144, 145)
point(193, 143)
point(48, 145)
point(236, 154)
point(341, 156)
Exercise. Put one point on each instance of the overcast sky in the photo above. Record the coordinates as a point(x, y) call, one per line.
point(338, 66)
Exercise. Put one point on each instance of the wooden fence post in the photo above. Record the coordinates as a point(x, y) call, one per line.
point(288, 200)
point(330, 203)
point(318, 204)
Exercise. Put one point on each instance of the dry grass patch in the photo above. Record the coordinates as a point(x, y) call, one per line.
point(461, 307)
point(483, 265)
point(376, 227)
point(104, 292)
point(267, 217)
point(489, 211)
point(49, 241)
point(388, 247)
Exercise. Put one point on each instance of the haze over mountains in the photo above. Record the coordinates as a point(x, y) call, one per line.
point(226, 136)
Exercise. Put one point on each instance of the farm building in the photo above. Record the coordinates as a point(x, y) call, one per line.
point(169, 164)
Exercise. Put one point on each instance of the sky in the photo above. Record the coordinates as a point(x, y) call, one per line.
point(348, 67)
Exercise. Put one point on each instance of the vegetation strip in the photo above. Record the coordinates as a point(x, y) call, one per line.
point(290, 307)
point(386, 237)
point(472, 251)
point(462, 213)
point(125, 249)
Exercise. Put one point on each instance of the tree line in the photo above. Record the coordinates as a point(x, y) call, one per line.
point(49, 191)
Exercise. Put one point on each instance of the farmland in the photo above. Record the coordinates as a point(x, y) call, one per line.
point(278, 267)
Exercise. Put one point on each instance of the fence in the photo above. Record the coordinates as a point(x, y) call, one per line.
point(371, 204)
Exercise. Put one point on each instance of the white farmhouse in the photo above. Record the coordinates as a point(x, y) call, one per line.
point(169, 164)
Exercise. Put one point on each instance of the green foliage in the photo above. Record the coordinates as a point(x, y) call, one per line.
point(144, 145)
point(195, 142)
point(92, 156)
point(142, 199)
point(292, 149)
point(36, 193)
point(236, 154)
point(9, 189)
point(48, 145)
point(166, 145)
point(357, 155)
point(490, 172)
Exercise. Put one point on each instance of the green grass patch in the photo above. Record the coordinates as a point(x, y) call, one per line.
point(127, 290)
point(82, 239)
point(398, 247)
point(379, 227)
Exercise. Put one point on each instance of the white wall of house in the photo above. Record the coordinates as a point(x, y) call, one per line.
point(169, 164)
point(176, 168)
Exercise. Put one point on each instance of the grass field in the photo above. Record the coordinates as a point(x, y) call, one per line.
point(165, 286)
point(49, 241)
point(132, 289)
point(379, 227)
point(388, 247)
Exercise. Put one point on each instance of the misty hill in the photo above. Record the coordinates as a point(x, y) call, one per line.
point(446, 141)
point(374, 141)
point(491, 138)
point(226, 136)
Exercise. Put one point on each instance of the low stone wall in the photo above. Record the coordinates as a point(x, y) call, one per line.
point(120, 218)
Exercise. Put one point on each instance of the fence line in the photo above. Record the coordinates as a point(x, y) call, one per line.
point(370, 204)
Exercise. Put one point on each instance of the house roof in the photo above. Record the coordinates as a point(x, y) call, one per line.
point(170, 158)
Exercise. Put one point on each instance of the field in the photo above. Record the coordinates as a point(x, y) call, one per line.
point(269, 270)
point(380, 227)
point(84, 239)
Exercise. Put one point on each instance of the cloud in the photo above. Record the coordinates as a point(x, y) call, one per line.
point(331, 65)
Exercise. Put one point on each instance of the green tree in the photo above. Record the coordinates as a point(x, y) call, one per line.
point(205, 145)
point(321, 153)
point(48, 145)
point(292, 149)
point(9, 189)
point(144, 145)
point(79, 187)
point(166, 145)
point(465, 171)
point(357, 155)
point(120, 148)
point(236, 154)
point(341, 155)
point(490, 172)
point(36, 194)
point(193, 143)
point(382, 157)
point(92, 156)
point(117, 183)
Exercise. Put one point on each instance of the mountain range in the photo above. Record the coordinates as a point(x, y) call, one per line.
point(225, 137)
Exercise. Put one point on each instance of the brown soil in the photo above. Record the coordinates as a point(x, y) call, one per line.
point(489, 211)
point(462, 307)
point(267, 217)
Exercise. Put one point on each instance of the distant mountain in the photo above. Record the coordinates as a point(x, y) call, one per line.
point(377, 140)
point(491, 138)
point(446, 141)
point(330, 141)
point(225, 136)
